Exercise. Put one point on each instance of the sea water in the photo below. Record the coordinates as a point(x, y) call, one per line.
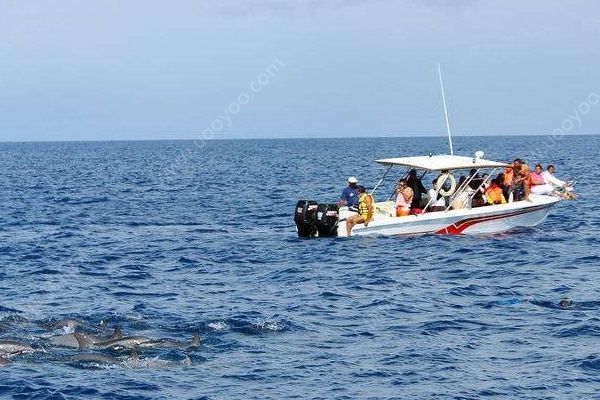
point(168, 239)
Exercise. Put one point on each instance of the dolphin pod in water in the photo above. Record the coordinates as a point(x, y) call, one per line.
point(88, 344)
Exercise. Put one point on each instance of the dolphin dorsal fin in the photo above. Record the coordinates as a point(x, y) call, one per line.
point(83, 340)
point(196, 340)
point(117, 333)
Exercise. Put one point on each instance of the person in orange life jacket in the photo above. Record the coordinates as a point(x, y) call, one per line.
point(505, 181)
point(493, 193)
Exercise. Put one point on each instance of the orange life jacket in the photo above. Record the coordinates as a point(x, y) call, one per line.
point(507, 176)
point(495, 195)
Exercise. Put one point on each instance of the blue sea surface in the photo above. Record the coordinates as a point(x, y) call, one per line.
point(168, 239)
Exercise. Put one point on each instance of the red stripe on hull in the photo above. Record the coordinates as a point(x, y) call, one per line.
point(459, 227)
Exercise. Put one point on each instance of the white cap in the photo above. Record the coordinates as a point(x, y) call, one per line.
point(352, 180)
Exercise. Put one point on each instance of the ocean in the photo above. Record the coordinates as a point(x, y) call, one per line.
point(168, 239)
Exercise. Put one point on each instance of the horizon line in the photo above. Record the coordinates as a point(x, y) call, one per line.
point(309, 136)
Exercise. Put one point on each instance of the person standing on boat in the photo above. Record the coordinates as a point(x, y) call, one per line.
point(365, 210)
point(417, 187)
point(349, 194)
point(521, 181)
point(506, 181)
point(404, 198)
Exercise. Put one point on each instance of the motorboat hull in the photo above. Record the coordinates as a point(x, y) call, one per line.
point(480, 220)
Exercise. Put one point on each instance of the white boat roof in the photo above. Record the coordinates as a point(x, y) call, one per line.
point(442, 162)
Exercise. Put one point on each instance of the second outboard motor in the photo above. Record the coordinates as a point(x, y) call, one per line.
point(305, 217)
point(327, 220)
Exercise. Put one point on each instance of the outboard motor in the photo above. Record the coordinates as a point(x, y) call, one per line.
point(305, 217)
point(327, 220)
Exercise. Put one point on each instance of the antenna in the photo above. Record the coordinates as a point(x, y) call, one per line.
point(445, 110)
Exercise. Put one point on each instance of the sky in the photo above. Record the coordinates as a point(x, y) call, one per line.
point(106, 70)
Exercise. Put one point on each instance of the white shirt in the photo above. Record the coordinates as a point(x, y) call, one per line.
point(436, 203)
point(551, 179)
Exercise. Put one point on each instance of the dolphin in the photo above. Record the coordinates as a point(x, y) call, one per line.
point(12, 347)
point(82, 340)
point(172, 344)
point(125, 342)
point(97, 358)
point(65, 323)
point(100, 358)
point(11, 321)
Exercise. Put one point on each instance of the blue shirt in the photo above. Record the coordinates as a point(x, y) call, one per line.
point(350, 196)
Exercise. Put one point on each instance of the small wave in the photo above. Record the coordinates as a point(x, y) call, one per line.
point(591, 364)
point(331, 295)
point(259, 325)
point(588, 259)
point(270, 325)
point(10, 310)
point(502, 303)
point(144, 294)
point(218, 326)
point(584, 330)
point(71, 201)
point(46, 271)
point(435, 327)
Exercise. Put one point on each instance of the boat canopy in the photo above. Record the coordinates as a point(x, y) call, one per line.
point(442, 162)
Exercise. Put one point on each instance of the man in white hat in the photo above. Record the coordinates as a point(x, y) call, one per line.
point(349, 195)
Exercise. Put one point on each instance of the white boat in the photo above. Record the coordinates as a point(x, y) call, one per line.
point(470, 220)
point(314, 219)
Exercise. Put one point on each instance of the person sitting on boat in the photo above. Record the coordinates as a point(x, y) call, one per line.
point(461, 200)
point(476, 184)
point(349, 194)
point(553, 180)
point(365, 210)
point(494, 194)
point(538, 182)
point(404, 198)
point(437, 202)
point(417, 187)
point(486, 182)
point(560, 188)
